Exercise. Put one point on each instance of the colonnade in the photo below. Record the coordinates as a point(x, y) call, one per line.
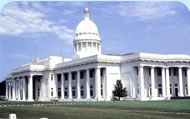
point(91, 47)
point(93, 84)
point(20, 88)
point(166, 84)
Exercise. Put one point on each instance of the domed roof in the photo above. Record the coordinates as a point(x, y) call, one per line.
point(87, 29)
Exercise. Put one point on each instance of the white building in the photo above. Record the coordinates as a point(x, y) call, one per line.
point(90, 76)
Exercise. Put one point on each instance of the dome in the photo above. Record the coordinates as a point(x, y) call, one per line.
point(86, 29)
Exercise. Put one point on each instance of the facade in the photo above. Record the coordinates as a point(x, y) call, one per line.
point(90, 75)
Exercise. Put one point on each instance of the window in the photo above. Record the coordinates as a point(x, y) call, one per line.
point(38, 92)
point(91, 92)
point(82, 87)
point(175, 84)
point(66, 76)
point(59, 93)
point(39, 80)
point(170, 72)
point(82, 93)
point(73, 76)
point(185, 72)
point(160, 85)
point(159, 72)
point(73, 93)
point(91, 73)
point(137, 70)
point(149, 71)
point(91, 87)
point(65, 94)
point(52, 77)
point(101, 92)
point(170, 90)
point(59, 77)
point(82, 75)
point(175, 71)
point(51, 93)
point(160, 91)
point(101, 72)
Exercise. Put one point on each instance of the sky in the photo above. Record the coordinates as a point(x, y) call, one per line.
point(40, 29)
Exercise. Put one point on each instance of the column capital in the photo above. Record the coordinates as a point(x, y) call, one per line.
point(167, 67)
point(141, 66)
point(180, 67)
point(152, 67)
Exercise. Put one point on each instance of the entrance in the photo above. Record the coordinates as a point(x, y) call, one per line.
point(176, 92)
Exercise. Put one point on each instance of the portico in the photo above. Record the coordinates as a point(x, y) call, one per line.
point(156, 82)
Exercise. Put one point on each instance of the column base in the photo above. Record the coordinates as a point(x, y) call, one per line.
point(30, 100)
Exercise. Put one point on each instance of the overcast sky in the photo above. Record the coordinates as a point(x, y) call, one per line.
point(41, 29)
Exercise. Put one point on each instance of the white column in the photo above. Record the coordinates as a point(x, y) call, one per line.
point(16, 86)
point(167, 82)
point(87, 84)
point(141, 82)
point(106, 83)
point(62, 86)
point(97, 84)
point(41, 98)
point(19, 85)
point(188, 81)
point(78, 84)
point(24, 89)
point(70, 86)
point(163, 82)
point(152, 82)
point(180, 82)
point(13, 91)
point(30, 88)
point(6, 90)
point(9, 90)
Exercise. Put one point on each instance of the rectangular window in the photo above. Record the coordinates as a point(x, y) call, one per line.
point(82, 93)
point(59, 93)
point(73, 93)
point(160, 91)
point(59, 77)
point(51, 93)
point(170, 72)
point(73, 75)
point(66, 76)
point(101, 72)
point(91, 92)
point(149, 71)
point(52, 77)
point(137, 71)
point(185, 72)
point(82, 75)
point(175, 71)
point(91, 73)
point(65, 94)
point(159, 71)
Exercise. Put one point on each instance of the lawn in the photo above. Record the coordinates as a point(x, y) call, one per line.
point(174, 109)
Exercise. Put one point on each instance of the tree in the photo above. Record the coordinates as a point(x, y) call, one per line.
point(119, 91)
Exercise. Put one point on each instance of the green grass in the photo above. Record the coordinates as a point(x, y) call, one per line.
point(174, 109)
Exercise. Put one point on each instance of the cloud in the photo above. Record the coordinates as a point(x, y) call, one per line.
point(146, 10)
point(18, 18)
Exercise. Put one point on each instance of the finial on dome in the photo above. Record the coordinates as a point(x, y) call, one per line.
point(86, 13)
